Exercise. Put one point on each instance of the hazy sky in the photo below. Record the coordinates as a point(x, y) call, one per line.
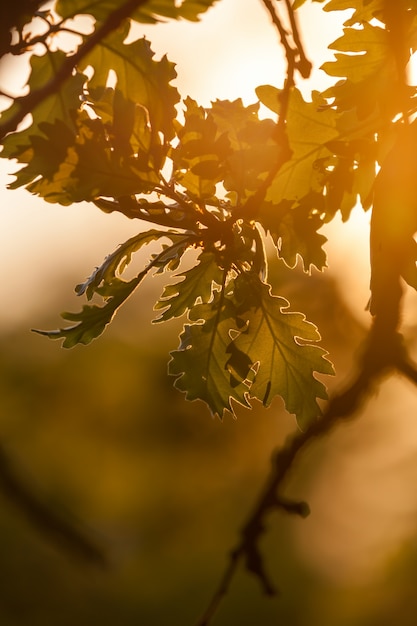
point(225, 56)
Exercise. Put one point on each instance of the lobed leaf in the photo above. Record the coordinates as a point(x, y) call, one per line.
point(115, 263)
point(253, 148)
point(370, 82)
point(200, 365)
point(43, 155)
point(198, 158)
point(140, 78)
point(309, 127)
point(293, 228)
point(280, 344)
point(364, 11)
point(92, 168)
point(60, 106)
point(197, 285)
point(92, 319)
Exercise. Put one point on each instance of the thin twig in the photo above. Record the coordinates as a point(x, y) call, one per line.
point(374, 364)
point(56, 527)
point(289, 50)
point(303, 65)
point(251, 206)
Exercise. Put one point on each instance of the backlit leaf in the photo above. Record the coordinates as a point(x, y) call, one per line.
point(309, 128)
point(197, 285)
point(93, 168)
point(93, 319)
point(369, 71)
point(61, 105)
point(140, 78)
point(254, 150)
point(294, 231)
point(115, 263)
point(280, 343)
point(200, 363)
point(198, 157)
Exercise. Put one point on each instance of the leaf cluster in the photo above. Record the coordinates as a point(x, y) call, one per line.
point(218, 179)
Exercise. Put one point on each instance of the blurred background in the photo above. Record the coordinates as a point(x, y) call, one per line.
point(100, 435)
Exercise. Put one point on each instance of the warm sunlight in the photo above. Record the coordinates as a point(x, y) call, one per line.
point(238, 50)
point(228, 401)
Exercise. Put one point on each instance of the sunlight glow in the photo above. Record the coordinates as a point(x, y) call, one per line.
point(225, 56)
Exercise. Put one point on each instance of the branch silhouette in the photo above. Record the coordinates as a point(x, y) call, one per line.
point(58, 528)
point(382, 355)
point(383, 351)
point(34, 98)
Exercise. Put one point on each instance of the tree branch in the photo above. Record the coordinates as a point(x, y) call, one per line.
point(54, 526)
point(34, 98)
point(408, 369)
point(303, 64)
point(381, 354)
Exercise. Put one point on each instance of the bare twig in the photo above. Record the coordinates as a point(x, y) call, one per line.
point(290, 52)
point(296, 59)
point(303, 64)
point(251, 206)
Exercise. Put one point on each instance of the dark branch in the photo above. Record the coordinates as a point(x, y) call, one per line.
point(303, 64)
point(408, 369)
point(54, 526)
point(381, 355)
point(34, 98)
point(290, 52)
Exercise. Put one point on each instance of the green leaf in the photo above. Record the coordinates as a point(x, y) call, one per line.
point(60, 105)
point(200, 365)
point(118, 155)
point(43, 157)
point(197, 284)
point(294, 231)
point(93, 168)
point(115, 263)
point(371, 83)
point(254, 150)
point(280, 343)
point(93, 319)
point(245, 345)
point(310, 127)
point(200, 153)
point(140, 78)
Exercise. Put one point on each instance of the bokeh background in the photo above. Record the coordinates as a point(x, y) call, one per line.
point(101, 436)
